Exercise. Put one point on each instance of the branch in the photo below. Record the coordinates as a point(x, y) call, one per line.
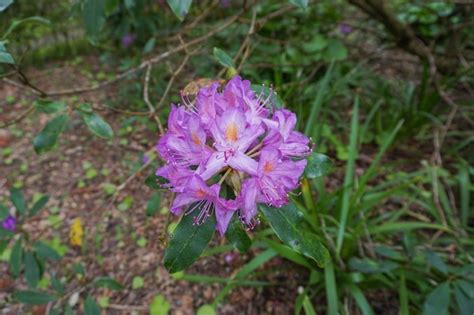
point(142, 66)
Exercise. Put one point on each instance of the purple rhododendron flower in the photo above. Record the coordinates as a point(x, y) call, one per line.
point(9, 223)
point(128, 40)
point(345, 28)
point(234, 138)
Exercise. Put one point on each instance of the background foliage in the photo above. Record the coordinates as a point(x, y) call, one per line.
point(384, 89)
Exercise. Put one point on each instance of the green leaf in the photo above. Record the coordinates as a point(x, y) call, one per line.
point(223, 58)
point(335, 51)
point(206, 309)
point(4, 212)
point(153, 205)
point(16, 258)
point(155, 182)
point(18, 200)
point(32, 270)
point(287, 223)
point(5, 233)
point(149, 46)
point(33, 297)
point(5, 57)
point(436, 261)
point(318, 43)
point(4, 4)
point(46, 252)
point(91, 307)
point(288, 253)
point(188, 242)
point(16, 23)
point(318, 165)
point(159, 306)
point(180, 7)
point(39, 205)
point(265, 92)
point(308, 306)
point(49, 107)
point(48, 137)
point(237, 236)
point(466, 304)
point(366, 265)
point(300, 3)
point(93, 16)
point(97, 125)
point(109, 283)
point(137, 282)
point(467, 287)
point(437, 302)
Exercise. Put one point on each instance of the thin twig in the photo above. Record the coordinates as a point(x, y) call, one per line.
point(145, 63)
point(146, 97)
point(171, 81)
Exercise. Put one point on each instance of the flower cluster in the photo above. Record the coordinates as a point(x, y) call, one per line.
point(234, 137)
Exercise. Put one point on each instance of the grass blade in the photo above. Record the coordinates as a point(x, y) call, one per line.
point(349, 176)
point(331, 290)
point(318, 101)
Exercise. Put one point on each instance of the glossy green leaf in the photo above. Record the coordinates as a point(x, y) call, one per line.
point(109, 283)
point(91, 307)
point(4, 4)
point(46, 252)
point(49, 107)
point(237, 236)
point(300, 3)
point(264, 92)
point(16, 258)
point(97, 125)
point(188, 242)
point(287, 222)
point(318, 165)
point(93, 16)
point(39, 205)
point(32, 270)
point(33, 297)
point(437, 301)
point(180, 7)
point(223, 58)
point(153, 205)
point(159, 305)
point(18, 200)
point(48, 137)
